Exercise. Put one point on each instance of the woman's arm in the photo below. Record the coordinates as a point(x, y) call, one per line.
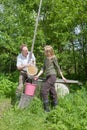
point(58, 68)
point(38, 75)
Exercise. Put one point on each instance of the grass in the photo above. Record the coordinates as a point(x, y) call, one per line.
point(70, 114)
point(31, 118)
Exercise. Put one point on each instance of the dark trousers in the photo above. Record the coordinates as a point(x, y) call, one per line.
point(49, 88)
point(22, 79)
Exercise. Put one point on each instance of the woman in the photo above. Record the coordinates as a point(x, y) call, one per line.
point(51, 68)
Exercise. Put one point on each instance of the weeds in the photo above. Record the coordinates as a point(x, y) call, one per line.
point(70, 114)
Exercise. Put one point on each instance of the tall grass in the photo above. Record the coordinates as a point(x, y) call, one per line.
point(70, 114)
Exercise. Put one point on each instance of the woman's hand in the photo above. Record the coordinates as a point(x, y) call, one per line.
point(36, 77)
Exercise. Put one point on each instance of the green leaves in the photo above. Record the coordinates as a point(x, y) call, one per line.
point(56, 27)
point(71, 112)
point(7, 88)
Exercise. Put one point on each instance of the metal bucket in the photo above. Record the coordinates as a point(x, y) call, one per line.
point(30, 89)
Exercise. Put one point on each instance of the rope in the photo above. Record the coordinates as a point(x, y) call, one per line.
point(37, 19)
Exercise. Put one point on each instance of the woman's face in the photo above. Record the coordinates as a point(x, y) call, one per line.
point(47, 53)
point(24, 51)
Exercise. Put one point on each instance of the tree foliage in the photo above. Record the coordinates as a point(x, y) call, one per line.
point(57, 23)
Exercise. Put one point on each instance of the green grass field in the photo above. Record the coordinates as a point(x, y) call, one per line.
point(70, 114)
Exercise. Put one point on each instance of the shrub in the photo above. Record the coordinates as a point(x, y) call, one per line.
point(71, 112)
point(7, 87)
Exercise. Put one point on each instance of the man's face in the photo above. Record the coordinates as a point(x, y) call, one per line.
point(24, 51)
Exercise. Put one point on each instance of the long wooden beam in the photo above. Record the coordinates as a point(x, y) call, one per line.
point(62, 81)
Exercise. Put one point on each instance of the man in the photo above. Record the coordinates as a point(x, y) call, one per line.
point(24, 59)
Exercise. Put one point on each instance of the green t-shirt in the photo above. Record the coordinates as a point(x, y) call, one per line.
point(51, 66)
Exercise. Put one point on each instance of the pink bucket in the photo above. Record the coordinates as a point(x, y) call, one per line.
point(30, 89)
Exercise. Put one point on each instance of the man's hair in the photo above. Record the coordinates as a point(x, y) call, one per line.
point(22, 46)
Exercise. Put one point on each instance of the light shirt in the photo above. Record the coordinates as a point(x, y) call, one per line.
point(22, 60)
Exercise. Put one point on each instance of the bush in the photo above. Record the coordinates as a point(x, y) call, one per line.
point(71, 112)
point(7, 87)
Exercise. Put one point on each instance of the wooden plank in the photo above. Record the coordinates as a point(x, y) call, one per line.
point(62, 81)
point(67, 81)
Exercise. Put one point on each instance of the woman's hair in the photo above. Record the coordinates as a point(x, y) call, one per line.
point(22, 46)
point(49, 49)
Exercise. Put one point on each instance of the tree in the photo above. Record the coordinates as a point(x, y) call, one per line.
point(57, 23)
